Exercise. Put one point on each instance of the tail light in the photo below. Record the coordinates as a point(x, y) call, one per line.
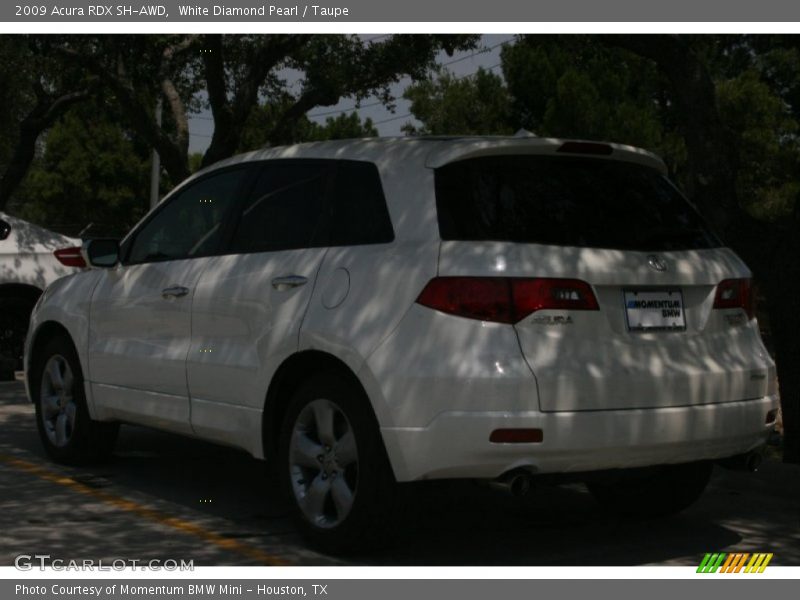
point(736, 293)
point(505, 299)
point(70, 257)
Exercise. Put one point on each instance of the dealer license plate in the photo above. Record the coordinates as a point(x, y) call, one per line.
point(648, 310)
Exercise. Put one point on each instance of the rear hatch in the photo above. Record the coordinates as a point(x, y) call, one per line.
point(651, 335)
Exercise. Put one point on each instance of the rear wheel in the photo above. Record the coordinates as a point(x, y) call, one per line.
point(68, 433)
point(334, 467)
point(651, 492)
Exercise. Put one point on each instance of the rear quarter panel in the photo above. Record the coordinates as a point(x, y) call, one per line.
point(362, 292)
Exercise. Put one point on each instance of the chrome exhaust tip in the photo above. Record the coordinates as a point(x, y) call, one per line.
point(749, 461)
point(754, 460)
point(515, 483)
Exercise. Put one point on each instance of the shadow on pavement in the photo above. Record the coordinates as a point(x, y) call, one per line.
point(444, 523)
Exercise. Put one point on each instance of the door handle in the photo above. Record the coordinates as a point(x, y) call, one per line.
point(288, 282)
point(176, 291)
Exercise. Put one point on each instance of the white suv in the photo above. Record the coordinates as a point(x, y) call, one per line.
point(392, 310)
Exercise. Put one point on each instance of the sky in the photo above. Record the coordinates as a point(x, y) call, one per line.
point(461, 64)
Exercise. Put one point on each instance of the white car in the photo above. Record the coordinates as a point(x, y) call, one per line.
point(27, 266)
point(393, 310)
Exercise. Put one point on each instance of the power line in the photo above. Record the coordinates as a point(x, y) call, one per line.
point(457, 79)
point(334, 112)
point(481, 51)
point(447, 64)
point(379, 103)
point(345, 110)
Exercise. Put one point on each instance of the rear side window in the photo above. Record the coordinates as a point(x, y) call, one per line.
point(358, 207)
point(566, 201)
point(312, 203)
point(286, 209)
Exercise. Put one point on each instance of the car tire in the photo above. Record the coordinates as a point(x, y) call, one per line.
point(15, 313)
point(334, 467)
point(653, 492)
point(69, 435)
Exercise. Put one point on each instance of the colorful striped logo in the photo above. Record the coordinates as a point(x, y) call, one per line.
point(734, 563)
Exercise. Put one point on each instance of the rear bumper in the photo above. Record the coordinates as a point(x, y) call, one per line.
point(456, 443)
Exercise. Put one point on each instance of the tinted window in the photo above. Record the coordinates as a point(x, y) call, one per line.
point(359, 214)
point(189, 224)
point(285, 210)
point(565, 201)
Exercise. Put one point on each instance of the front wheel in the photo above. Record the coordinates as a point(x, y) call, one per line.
point(653, 492)
point(336, 474)
point(69, 435)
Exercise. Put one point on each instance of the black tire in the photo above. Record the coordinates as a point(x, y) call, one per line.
point(653, 492)
point(84, 440)
point(15, 313)
point(369, 521)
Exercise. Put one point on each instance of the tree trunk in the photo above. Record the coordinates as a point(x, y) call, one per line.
point(770, 250)
point(781, 280)
point(20, 161)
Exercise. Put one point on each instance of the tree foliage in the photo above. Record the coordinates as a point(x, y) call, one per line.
point(239, 73)
point(232, 76)
point(475, 105)
point(263, 119)
point(90, 172)
point(34, 94)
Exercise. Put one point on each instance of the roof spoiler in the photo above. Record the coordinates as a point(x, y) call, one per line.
point(450, 152)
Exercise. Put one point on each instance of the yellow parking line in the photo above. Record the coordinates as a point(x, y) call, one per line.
point(144, 512)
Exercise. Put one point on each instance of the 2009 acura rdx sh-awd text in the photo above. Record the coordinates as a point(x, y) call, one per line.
point(389, 310)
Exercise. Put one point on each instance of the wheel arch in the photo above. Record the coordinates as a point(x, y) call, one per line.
point(44, 332)
point(20, 290)
point(295, 370)
point(17, 303)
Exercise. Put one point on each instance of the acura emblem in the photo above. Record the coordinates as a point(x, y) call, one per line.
point(656, 263)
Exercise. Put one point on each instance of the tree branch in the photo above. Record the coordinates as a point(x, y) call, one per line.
point(173, 156)
point(174, 101)
point(44, 114)
point(230, 115)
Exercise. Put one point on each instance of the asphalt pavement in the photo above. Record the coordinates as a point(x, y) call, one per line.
point(167, 497)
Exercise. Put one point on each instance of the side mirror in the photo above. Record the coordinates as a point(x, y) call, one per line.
point(103, 253)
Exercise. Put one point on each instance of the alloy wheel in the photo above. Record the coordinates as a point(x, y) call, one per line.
point(323, 463)
point(56, 395)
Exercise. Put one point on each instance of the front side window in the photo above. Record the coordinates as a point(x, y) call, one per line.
point(189, 225)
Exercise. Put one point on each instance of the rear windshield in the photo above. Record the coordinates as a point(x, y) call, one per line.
point(566, 201)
